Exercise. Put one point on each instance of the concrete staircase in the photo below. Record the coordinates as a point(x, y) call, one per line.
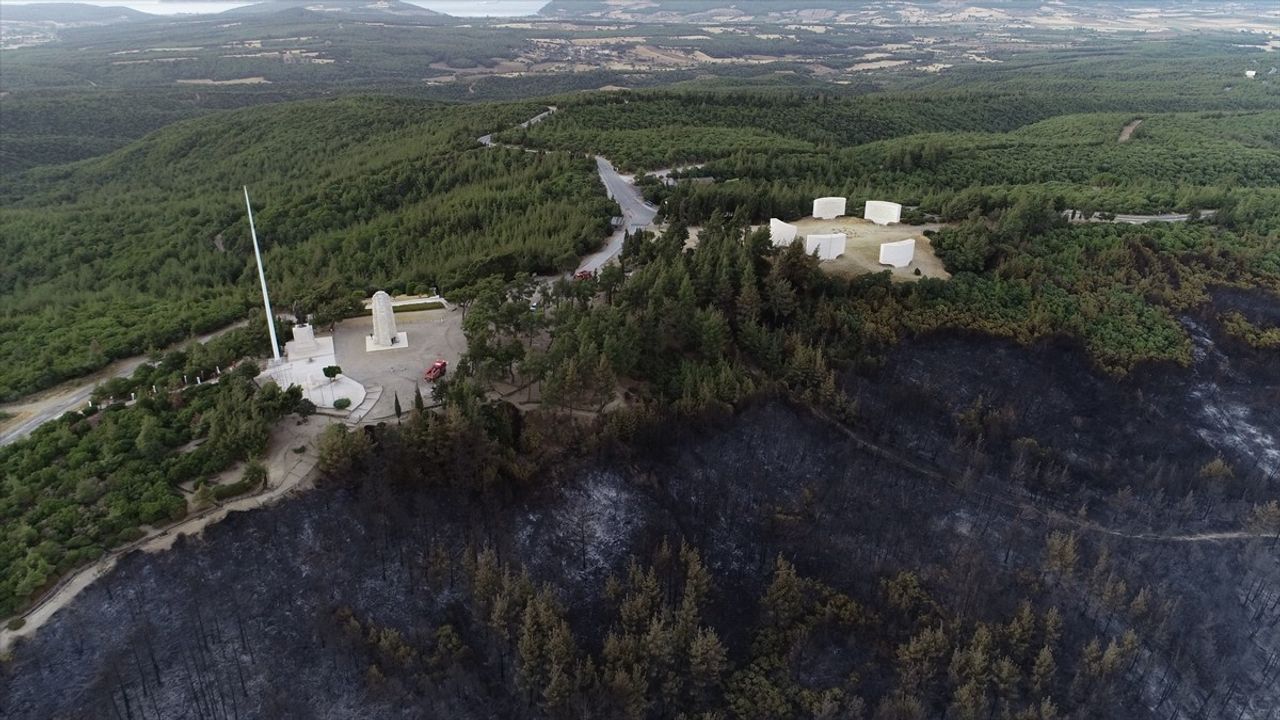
point(358, 413)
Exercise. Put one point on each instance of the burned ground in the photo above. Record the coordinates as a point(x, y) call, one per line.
point(248, 620)
point(975, 404)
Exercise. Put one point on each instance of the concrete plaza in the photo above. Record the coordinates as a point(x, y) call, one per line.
point(432, 335)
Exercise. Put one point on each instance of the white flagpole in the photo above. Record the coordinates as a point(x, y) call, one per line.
point(262, 278)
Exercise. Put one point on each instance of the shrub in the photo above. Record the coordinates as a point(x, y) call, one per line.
point(203, 497)
point(305, 408)
point(255, 473)
point(342, 403)
point(222, 492)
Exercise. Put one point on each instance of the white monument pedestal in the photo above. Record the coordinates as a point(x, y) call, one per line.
point(401, 341)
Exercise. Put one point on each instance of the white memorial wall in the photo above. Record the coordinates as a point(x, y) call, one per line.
point(783, 234)
point(828, 247)
point(881, 212)
point(829, 208)
point(898, 254)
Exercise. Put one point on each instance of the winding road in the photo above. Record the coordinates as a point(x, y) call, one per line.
point(637, 213)
point(287, 471)
point(35, 410)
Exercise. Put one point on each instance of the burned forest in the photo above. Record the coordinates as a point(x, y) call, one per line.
point(1003, 557)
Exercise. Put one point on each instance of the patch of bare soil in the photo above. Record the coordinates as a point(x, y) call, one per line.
point(1127, 131)
point(862, 251)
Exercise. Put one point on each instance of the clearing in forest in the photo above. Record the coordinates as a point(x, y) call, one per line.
point(1127, 132)
point(862, 250)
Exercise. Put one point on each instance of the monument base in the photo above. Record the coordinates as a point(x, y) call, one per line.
point(402, 341)
point(307, 372)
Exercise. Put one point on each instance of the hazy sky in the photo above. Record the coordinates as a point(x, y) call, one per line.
point(459, 8)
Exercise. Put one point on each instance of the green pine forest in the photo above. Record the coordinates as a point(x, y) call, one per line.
point(119, 255)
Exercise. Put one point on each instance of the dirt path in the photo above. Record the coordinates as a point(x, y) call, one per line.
point(1023, 506)
point(287, 471)
point(1195, 537)
point(1127, 132)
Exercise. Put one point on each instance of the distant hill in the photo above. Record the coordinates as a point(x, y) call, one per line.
point(380, 9)
point(71, 13)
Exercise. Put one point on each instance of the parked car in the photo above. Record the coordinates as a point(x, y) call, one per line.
point(436, 371)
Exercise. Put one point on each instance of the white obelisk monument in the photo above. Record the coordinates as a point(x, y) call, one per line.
point(384, 335)
point(262, 278)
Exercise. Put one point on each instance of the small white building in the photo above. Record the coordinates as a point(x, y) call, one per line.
point(882, 212)
point(898, 254)
point(1250, 74)
point(783, 234)
point(829, 208)
point(828, 247)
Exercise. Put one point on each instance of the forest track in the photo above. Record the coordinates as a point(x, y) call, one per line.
point(292, 469)
point(1018, 505)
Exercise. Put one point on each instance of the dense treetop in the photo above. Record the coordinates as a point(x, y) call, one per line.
point(141, 247)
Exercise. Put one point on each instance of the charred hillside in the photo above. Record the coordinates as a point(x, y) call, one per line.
point(767, 563)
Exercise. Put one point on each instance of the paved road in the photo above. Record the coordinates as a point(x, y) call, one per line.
point(636, 214)
point(487, 140)
point(35, 410)
point(1143, 219)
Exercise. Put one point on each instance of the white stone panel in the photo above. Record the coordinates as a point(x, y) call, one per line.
point(881, 212)
point(783, 234)
point(834, 248)
point(898, 254)
point(828, 247)
point(828, 208)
